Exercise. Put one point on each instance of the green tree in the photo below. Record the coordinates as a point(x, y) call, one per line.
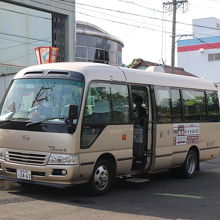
point(134, 62)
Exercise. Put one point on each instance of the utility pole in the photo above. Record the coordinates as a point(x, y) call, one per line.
point(174, 5)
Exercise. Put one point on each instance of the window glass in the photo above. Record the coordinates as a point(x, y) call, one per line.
point(140, 104)
point(89, 135)
point(91, 54)
point(214, 57)
point(99, 55)
point(82, 40)
point(213, 106)
point(96, 49)
point(194, 105)
point(98, 105)
point(211, 57)
point(120, 103)
point(163, 109)
point(176, 105)
point(39, 99)
point(217, 56)
point(81, 52)
point(105, 104)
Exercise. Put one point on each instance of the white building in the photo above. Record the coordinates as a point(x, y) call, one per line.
point(27, 24)
point(200, 55)
point(26, 30)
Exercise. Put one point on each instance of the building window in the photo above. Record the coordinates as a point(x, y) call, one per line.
point(214, 57)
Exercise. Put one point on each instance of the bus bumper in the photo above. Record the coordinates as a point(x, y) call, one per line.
point(51, 175)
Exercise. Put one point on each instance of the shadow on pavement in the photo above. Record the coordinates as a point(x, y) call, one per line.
point(163, 196)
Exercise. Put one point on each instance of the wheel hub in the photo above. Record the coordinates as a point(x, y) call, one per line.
point(101, 177)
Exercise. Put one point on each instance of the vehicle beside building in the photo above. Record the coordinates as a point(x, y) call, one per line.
point(71, 123)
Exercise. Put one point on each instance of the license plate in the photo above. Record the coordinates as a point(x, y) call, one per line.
point(23, 174)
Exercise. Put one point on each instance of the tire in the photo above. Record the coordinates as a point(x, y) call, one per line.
point(102, 178)
point(189, 168)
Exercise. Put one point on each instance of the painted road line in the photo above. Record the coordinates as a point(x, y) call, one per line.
point(180, 195)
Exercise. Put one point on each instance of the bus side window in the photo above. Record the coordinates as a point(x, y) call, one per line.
point(194, 105)
point(163, 104)
point(212, 106)
point(98, 108)
point(105, 104)
point(120, 103)
point(176, 105)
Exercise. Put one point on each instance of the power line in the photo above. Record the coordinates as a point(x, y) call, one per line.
point(18, 57)
point(31, 43)
point(215, 1)
point(127, 24)
point(114, 17)
point(119, 22)
point(205, 6)
point(19, 36)
point(17, 12)
point(53, 5)
point(163, 38)
point(71, 3)
point(141, 6)
point(144, 16)
point(66, 1)
point(118, 11)
point(204, 42)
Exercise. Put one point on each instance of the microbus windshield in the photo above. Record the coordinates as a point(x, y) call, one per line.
point(33, 100)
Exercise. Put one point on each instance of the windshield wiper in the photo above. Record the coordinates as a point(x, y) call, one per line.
point(39, 122)
point(39, 94)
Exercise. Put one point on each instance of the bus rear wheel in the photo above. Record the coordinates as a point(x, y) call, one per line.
point(189, 167)
point(102, 178)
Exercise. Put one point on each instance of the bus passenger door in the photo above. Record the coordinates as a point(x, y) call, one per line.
point(142, 127)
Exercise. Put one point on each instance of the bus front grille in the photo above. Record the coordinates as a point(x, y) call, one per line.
point(27, 158)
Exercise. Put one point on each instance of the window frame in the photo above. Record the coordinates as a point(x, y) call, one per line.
point(150, 106)
point(102, 126)
point(207, 107)
point(156, 108)
point(181, 105)
point(184, 115)
point(113, 83)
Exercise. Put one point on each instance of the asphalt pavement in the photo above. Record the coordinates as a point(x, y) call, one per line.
point(164, 197)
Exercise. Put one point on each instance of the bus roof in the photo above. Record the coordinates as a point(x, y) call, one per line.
point(167, 79)
point(96, 71)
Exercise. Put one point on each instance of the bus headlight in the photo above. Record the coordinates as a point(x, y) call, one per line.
point(63, 159)
point(2, 154)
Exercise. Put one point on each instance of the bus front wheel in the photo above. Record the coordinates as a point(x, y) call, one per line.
point(189, 167)
point(102, 178)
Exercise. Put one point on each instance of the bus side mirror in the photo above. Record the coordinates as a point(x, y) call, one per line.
point(73, 111)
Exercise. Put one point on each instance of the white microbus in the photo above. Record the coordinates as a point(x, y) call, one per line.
point(70, 123)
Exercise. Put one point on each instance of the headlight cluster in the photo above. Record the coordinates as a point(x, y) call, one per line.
point(63, 159)
point(2, 154)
